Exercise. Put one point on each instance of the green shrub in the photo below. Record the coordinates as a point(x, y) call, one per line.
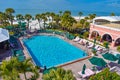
point(98, 38)
point(59, 74)
point(106, 44)
point(86, 35)
point(105, 75)
point(118, 48)
point(94, 51)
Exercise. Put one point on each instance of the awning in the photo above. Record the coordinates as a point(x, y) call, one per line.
point(4, 35)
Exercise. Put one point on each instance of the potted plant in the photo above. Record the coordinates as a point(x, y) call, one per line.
point(94, 52)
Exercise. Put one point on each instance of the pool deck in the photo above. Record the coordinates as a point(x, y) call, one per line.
point(74, 66)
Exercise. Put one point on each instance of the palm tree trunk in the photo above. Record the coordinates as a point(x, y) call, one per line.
point(28, 24)
point(25, 76)
point(44, 24)
point(39, 23)
point(11, 22)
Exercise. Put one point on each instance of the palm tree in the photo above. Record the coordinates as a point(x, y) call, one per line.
point(4, 19)
point(27, 66)
point(86, 25)
point(80, 14)
point(60, 13)
point(67, 12)
point(8, 70)
point(67, 21)
point(28, 17)
point(112, 14)
point(9, 12)
point(52, 14)
point(44, 18)
point(82, 21)
point(86, 18)
point(48, 15)
point(59, 74)
point(57, 19)
point(92, 16)
point(1, 18)
point(38, 17)
point(19, 17)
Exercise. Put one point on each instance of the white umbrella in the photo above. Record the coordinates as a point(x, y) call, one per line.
point(4, 35)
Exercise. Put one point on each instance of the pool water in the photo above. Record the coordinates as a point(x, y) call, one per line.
point(51, 51)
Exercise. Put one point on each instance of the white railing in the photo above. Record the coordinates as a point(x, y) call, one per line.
point(101, 26)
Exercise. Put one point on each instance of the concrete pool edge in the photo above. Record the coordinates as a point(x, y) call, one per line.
point(61, 37)
point(74, 61)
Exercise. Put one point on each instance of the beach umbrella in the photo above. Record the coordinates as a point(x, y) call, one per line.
point(119, 60)
point(117, 55)
point(97, 61)
point(94, 42)
point(110, 57)
point(83, 69)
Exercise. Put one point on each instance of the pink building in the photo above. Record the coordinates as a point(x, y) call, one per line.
point(107, 28)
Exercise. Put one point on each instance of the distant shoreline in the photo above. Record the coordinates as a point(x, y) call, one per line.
point(33, 12)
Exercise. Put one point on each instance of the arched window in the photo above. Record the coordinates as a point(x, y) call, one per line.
point(107, 37)
point(117, 42)
point(94, 34)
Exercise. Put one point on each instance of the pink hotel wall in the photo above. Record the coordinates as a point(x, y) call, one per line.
point(115, 34)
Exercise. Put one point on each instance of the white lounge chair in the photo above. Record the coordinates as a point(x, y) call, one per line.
point(80, 41)
point(91, 45)
point(97, 46)
point(85, 41)
point(83, 75)
point(88, 73)
point(76, 39)
point(99, 49)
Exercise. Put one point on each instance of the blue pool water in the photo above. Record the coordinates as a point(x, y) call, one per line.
point(51, 51)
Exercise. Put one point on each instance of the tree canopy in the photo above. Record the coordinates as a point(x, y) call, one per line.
point(59, 74)
point(9, 70)
point(105, 75)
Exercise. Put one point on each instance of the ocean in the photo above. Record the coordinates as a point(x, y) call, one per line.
point(34, 7)
point(33, 12)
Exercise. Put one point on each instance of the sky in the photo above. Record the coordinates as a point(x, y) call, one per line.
point(73, 5)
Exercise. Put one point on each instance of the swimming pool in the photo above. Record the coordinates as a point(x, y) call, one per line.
point(52, 51)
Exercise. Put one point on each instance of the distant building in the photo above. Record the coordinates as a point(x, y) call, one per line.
point(108, 28)
point(78, 18)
